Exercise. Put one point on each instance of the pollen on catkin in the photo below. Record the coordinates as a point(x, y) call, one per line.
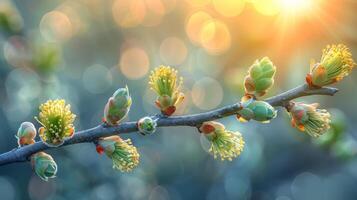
point(225, 144)
point(309, 119)
point(57, 120)
point(164, 81)
point(335, 64)
point(124, 155)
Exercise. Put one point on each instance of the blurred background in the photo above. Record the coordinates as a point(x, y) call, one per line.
point(84, 50)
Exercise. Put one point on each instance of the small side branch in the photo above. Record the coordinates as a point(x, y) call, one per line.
point(90, 135)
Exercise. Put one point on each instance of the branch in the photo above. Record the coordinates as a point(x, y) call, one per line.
point(22, 154)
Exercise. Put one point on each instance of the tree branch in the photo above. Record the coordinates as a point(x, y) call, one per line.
point(22, 154)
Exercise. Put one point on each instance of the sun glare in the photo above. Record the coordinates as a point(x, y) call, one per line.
point(285, 7)
point(294, 7)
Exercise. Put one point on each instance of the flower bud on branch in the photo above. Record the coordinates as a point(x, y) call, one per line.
point(309, 119)
point(26, 134)
point(147, 125)
point(260, 77)
point(124, 155)
point(163, 80)
point(257, 110)
point(44, 165)
point(336, 63)
point(117, 107)
point(224, 144)
point(57, 120)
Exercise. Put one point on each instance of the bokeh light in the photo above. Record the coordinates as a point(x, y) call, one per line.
point(104, 192)
point(204, 63)
point(215, 37)
point(159, 193)
point(229, 8)
point(134, 63)
point(23, 84)
point(207, 93)
point(306, 187)
point(7, 189)
point(198, 3)
point(70, 9)
point(161, 7)
point(16, 52)
point(195, 24)
point(296, 5)
point(173, 51)
point(97, 79)
point(56, 26)
point(267, 7)
point(47, 191)
point(129, 13)
point(156, 10)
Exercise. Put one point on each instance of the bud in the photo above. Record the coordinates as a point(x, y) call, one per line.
point(26, 134)
point(10, 19)
point(124, 155)
point(336, 63)
point(163, 80)
point(57, 120)
point(44, 165)
point(309, 119)
point(224, 144)
point(117, 107)
point(260, 77)
point(257, 110)
point(147, 125)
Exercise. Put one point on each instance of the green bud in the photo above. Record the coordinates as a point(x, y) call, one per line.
point(147, 125)
point(44, 165)
point(26, 134)
point(118, 106)
point(260, 77)
point(257, 110)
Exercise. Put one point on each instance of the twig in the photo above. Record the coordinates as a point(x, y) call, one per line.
point(90, 135)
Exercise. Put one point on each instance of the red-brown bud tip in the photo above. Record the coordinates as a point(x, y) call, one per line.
point(309, 81)
point(71, 132)
point(157, 103)
point(22, 141)
point(207, 128)
point(169, 111)
point(99, 149)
